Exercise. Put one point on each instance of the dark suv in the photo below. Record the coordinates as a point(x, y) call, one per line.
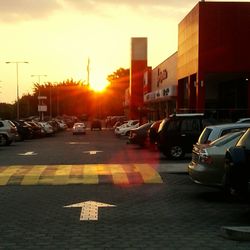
point(178, 133)
point(237, 166)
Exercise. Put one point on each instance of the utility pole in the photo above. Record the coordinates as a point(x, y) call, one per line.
point(17, 88)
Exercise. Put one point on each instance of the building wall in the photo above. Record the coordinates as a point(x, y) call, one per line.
point(213, 53)
point(188, 33)
point(137, 68)
point(224, 37)
point(161, 101)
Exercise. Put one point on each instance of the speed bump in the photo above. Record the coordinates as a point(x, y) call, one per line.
point(117, 174)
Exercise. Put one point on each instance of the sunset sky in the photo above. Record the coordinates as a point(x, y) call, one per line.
point(57, 37)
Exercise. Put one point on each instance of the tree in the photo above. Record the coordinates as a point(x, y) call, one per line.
point(114, 98)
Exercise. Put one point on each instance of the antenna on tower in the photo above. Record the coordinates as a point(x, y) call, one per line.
point(88, 71)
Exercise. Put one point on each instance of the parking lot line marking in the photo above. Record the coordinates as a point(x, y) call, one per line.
point(62, 174)
point(148, 173)
point(32, 177)
point(76, 174)
point(47, 176)
point(118, 174)
point(7, 173)
point(90, 175)
point(103, 169)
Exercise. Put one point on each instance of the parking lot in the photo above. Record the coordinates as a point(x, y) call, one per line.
point(170, 213)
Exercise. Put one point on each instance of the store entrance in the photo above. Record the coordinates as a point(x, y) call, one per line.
point(229, 97)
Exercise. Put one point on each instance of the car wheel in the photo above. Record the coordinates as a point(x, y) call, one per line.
point(235, 181)
point(4, 141)
point(176, 152)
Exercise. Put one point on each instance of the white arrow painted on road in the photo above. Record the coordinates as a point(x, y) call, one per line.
point(89, 209)
point(93, 152)
point(76, 142)
point(28, 153)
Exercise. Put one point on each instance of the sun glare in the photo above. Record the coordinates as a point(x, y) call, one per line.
point(99, 86)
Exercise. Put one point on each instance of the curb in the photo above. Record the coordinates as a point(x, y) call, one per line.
point(236, 233)
point(173, 168)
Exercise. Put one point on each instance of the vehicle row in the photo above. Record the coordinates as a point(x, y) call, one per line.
point(19, 130)
point(220, 152)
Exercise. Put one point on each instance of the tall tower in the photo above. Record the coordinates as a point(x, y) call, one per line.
point(138, 65)
point(88, 72)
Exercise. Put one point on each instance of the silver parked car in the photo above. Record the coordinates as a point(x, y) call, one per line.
point(207, 164)
point(213, 132)
point(8, 131)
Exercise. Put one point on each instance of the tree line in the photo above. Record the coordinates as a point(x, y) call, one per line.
point(72, 98)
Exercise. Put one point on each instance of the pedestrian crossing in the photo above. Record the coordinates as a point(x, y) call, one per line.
point(117, 174)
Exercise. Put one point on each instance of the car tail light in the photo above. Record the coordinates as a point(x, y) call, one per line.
point(132, 134)
point(13, 130)
point(205, 158)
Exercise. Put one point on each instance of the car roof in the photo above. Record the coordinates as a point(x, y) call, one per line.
point(246, 120)
point(186, 114)
point(229, 125)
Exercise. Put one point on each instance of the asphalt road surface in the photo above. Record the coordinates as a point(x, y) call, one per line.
point(96, 192)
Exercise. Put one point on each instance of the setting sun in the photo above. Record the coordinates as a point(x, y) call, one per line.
point(98, 87)
point(98, 84)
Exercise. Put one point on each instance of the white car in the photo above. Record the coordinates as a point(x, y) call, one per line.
point(124, 129)
point(79, 128)
point(48, 129)
point(213, 132)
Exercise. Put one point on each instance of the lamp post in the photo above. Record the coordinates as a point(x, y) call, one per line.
point(17, 88)
point(39, 93)
point(0, 87)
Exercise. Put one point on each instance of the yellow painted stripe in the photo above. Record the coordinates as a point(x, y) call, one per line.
point(47, 177)
point(103, 169)
point(62, 174)
point(90, 175)
point(32, 177)
point(7, 173)
point(118, 174)
point(76, 174)
point(148, 173)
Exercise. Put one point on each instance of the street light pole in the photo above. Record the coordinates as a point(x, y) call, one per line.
point(17, 88)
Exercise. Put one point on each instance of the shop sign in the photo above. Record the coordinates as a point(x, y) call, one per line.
point(149, 97)
point(162, 75)
point(42, 108)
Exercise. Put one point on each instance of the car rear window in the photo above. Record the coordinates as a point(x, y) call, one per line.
point(204, 136)
point(230, 130)
point(227, 138)
point(245, 140)
point(11, 124)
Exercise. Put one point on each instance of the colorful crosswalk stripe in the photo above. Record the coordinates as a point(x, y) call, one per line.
point(117, 174)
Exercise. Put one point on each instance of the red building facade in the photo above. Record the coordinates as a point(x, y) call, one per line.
point(137, 68)
point(213, 68)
